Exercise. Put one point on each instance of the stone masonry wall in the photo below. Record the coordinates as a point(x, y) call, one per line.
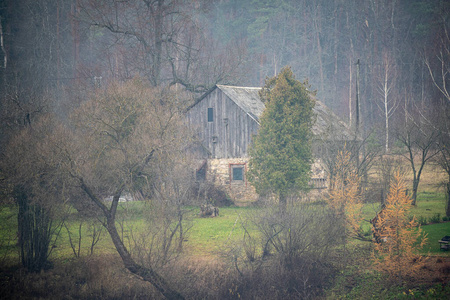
point(219, 172)
point(242, 192)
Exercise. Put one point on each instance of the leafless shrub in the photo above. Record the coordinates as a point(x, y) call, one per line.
point(385, 169)
point(207, 192)
point(289, 256)
point(159, 241)
point(94, 233)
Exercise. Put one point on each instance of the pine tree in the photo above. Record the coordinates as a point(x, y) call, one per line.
point(281, 151)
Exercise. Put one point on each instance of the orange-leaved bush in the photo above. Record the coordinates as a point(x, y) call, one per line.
point(345, 195)
point(398, 237)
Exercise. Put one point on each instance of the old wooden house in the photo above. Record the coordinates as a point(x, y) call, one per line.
point(226, 119)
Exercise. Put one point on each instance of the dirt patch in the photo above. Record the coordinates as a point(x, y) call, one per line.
point(436, 270)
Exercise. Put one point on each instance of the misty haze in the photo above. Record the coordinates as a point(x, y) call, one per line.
point(224, 149)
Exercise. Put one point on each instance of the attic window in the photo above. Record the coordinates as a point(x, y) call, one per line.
point(210, 114)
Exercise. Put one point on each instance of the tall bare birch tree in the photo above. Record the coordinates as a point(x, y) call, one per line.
point(387, 103)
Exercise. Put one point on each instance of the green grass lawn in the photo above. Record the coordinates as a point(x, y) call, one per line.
point(207, 236)
point(8, 232)
point(429, 204)
point(434, 233)
point(212, 235)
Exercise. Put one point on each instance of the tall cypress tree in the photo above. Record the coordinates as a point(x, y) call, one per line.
point(281, 156)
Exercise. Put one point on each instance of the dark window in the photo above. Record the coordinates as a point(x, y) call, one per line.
point(210, 114)
point(318, 183)
point(238, 173)
point(200, 175)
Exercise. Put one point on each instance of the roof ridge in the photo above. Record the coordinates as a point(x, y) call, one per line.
point(239, 87)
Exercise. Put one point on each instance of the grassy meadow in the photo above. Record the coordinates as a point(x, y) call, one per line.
point(207, 241)
point(206, 236)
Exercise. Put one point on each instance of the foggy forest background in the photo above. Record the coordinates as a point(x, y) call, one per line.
point(65, 48)
point(76, 60)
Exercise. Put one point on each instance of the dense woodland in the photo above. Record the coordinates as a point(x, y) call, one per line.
point(92, 96)
point(64, 48)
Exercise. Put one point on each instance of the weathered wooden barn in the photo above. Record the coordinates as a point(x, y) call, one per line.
point(225, 119)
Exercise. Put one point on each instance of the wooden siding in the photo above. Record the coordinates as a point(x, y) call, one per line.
point(230, 133)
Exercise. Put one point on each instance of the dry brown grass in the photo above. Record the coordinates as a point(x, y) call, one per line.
point(99, 277)
point(431, 180)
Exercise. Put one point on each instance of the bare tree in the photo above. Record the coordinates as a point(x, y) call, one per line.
point(172, 189)
point(32, 46)
point(331, 142)
point(388, 103)
point(33, 177)
point(442, 118)
point(106, 149)
point(144, 26)
point(163, 41)
point(439, 69)
point(439, 64)
point(168, 217)
point(420, 140)
point(110, 150)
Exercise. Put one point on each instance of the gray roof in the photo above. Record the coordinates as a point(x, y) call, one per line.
point(247, 98)
point(327, 126)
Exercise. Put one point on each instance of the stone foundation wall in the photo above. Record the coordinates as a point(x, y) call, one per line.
point(220, 173)
point(242, 193)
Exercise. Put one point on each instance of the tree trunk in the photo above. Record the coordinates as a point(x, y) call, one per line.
point(158, 42)
point(415, 187)
point(447, 212)
point(34, 231)
point(282, 202)
point(386, 117)
point(147, 274)
point(318, 29)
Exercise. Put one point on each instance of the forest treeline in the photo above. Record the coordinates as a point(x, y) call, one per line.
point(92, 96)
point(64, 48)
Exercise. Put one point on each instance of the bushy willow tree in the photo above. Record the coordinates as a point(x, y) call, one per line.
point(33, 178)
point(111, 144)
point(281, 156)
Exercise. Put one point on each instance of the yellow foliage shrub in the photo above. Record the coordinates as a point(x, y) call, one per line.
point(400, 238)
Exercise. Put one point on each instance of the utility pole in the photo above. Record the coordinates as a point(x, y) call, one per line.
point(357, 114)
point(357, 98)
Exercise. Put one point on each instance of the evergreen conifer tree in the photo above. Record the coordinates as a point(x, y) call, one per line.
point(281, 156)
